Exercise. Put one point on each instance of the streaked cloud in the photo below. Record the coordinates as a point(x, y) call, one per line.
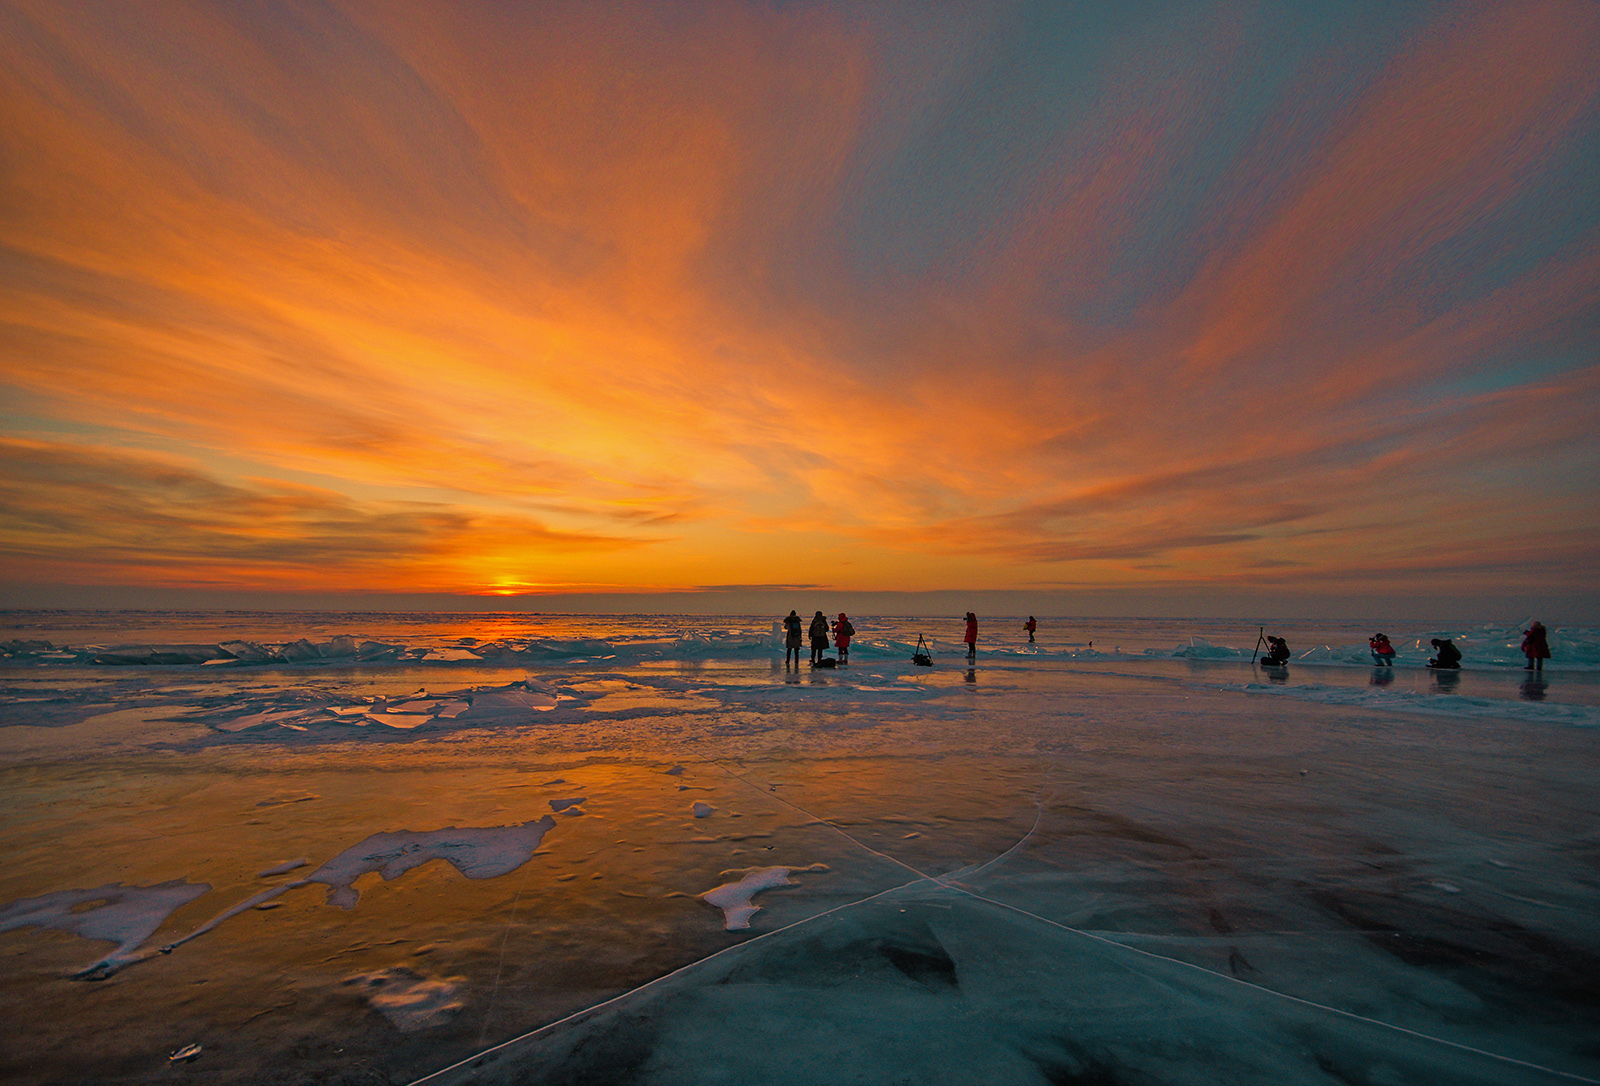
point(485, 297)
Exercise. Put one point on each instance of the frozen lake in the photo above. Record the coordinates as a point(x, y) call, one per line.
point(524, 849)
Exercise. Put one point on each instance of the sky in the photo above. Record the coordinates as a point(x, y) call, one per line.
point(1136, 308)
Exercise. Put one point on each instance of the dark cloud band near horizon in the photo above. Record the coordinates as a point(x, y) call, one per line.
point(487, 300)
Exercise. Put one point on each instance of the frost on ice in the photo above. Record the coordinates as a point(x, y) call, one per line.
point(409, 1000)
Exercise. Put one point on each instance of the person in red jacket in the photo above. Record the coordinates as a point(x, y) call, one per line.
point(842, 633)
point(1030, 625)
point(1382, 650)
point(1535, 646)
point(971, 636)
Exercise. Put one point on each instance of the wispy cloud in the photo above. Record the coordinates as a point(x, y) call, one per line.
point(490, 295)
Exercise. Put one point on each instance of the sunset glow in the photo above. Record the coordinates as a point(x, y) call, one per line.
point(507, 300)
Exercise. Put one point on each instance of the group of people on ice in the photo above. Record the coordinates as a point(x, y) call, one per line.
point(819, 630)
point(842, 631)
point(1535, 646)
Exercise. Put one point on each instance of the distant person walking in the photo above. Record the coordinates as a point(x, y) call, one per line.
point(842, 633)
point(1031, 625)
point(819, 638)
point(1449, 656)
point(791, 639)
point(1535, 646)
point(1382, 650)
point(971, 636)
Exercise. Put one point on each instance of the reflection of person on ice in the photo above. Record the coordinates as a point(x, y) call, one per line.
point(791, 639)
point(819, 638)
point(971, 636)
point(842, 633)
point(1030, 625)
point(1449, 656)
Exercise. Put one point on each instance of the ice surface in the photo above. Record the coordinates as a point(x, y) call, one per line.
point(1060, 865)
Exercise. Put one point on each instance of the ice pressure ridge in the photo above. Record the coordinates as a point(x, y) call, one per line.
point(1485, 646)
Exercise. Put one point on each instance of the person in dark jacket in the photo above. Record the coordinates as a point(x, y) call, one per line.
point(791, 639)
point(819, 637)
point(971, 636)
point(1449, 656)
point(1277, 652)
point(1535, 646)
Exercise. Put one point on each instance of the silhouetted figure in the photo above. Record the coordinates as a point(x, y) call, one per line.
point(819, 638)
point(971, 636)
point(1277, 652)
point(842, 633)
point(1535, 646)
point(1030, 625)
point(1449, 656)
point(791, 639)
point(1382, 651)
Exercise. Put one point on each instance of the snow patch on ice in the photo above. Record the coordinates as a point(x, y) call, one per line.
point(452, 655)
point(299, 710)
point(734, 898)
point(476, 853)
point(125, 915)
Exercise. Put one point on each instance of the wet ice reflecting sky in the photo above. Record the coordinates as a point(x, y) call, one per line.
point(1077, 867)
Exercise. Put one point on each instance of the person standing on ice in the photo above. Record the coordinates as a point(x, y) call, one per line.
point(1535, 646)
point(971, 636)
point(791, 639)
point(842, 633)
point(1382, 650)
point(819, 638)
point(1030, 625)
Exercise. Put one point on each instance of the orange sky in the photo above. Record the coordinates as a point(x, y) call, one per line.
point(496, 299)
